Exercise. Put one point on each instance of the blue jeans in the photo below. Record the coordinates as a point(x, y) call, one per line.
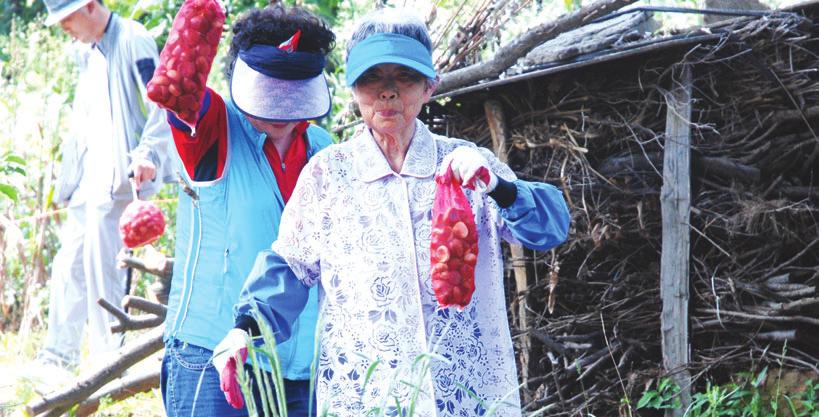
point(183, 367)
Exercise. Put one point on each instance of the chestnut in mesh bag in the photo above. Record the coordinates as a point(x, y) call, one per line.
point(179, 81)
point(454, 245)
point(141, 223)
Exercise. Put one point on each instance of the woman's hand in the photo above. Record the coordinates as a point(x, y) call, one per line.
point(229, 357)
point(470, 168)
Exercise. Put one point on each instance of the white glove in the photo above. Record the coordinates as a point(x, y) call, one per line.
point(228, 347)
point(470, 168)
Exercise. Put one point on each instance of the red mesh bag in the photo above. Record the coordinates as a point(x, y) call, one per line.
point(179, 81)
point(453, 250)
point(141, 223)
point(229, 383)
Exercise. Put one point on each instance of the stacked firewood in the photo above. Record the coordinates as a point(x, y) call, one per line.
point(598, 134)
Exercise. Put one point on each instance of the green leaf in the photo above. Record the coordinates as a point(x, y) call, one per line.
point(18, 170)
point(9, 191)
point(16, 159)
point(50, 196)
point(647, 397)
point(761, 377)
point(399, 410)
point(791, 405)
point(369, 374)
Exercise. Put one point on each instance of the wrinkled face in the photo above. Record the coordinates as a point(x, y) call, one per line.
point(79, 24)
point(390, 97)
point(273, 129)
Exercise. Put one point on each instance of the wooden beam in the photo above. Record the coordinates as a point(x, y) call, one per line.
point(497, 128)
point(675, 200)
point(508, 54)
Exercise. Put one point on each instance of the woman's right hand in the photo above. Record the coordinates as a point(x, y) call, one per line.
point(228, 358)
point(470, 168)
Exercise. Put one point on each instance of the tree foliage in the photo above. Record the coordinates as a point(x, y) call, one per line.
point(10, 164)
point(21, 11)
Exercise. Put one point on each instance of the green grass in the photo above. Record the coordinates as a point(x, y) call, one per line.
point(16, 390)
point(745, 396)
point(272, 392)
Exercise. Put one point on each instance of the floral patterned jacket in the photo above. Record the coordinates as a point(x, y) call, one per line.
point(361, 232)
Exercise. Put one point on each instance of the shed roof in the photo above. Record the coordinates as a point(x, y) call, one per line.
point(618, 51)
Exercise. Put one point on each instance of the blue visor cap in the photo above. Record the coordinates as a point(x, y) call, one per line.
point(274, 62)
point(388, 48)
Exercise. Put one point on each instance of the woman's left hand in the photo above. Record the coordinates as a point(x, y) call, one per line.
point(470, 168)
point(228, 358)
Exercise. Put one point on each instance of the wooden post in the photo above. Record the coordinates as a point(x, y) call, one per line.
point(497, 128)
point(675, 200)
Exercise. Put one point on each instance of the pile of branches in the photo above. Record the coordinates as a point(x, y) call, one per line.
point(598, 134)
point(118, 378)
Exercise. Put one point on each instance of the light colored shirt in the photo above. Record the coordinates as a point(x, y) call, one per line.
point(112, 121)
point(362, 232)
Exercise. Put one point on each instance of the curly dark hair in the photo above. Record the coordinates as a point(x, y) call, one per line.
point(275, 24)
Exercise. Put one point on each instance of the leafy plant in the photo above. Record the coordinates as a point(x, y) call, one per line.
point(106, 402)
point(20, 11)
point(666, 396)
point(37, 74)
point(10, 164)
point(716, 401)
point(743, 397)
point(809, 401)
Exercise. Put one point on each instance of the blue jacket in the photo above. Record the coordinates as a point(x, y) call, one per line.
point(218, 237)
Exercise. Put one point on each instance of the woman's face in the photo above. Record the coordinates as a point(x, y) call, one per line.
point(390, 97)
point(274, 130)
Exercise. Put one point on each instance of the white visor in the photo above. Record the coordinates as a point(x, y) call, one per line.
point(267, 98)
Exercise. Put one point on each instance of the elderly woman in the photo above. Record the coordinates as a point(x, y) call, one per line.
point(358, 226)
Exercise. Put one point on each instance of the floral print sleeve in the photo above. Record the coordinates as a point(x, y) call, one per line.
point(300, 232)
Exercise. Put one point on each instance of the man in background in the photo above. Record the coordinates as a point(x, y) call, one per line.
point(114, 131)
